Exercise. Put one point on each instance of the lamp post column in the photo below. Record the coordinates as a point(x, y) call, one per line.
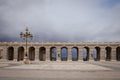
point(26, 36)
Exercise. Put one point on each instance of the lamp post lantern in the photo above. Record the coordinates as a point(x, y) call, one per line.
point(27, 35)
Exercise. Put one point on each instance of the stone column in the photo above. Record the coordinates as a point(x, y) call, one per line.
point(80, 50)
point(2, 54)
point(15, 53)
point(36, 53)
point(69, 53)
point(47, 53)
point(5, 57)
point(58, 54)
point(91, 53)
point(102, 54)
point(113, 53)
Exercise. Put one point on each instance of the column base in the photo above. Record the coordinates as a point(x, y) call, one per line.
point(102, 60)
point(26, 60)
point(69, 60)
point(3, 60)
point(113, 60)
point(58, 60)
point(37, 60)
point(15, 60)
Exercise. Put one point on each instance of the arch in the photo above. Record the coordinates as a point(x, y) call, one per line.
point(42, 54)
point(10, 53)
point(118, 53)
point(20, 54)
point(1, 53)
point(85, 53)
point(96, 53)
point(31, 53)
point(74, 54)
point(53, 53)
point(108, 53)
point(64, 54)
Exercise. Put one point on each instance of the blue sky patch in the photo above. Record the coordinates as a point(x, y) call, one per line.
point(110, 3)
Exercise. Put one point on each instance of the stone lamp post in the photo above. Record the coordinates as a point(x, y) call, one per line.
point(27, 35)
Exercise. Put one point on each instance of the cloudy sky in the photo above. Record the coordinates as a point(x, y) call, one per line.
point(60, 20)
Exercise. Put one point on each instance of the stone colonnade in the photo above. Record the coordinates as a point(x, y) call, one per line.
point(97, 51)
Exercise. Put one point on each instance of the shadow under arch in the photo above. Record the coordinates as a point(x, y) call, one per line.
point(42, 53)
point(118, 53)
point(10, 53)
point(86, 54)
point(31, 53)
point(96, 54)
point(20, 54)
point(108, 53)
point(53, 53)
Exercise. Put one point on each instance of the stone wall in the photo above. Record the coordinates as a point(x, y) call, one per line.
point(4, 46)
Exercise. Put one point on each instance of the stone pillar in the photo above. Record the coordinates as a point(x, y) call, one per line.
point(15, 53)
point(25, 53)
point(91, 53)
point(2, 55)
point(47, 53)
point(36, 53)
point(113, 53)
point(102, 54)
point(80, 50)
point(5, 58)
point(69, 53)
point(58, 54)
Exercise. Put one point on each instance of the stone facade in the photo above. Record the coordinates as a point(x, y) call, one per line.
point(65, 51)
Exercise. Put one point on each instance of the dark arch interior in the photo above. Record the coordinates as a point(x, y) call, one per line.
point(97, 54)
point(118, 53)
point(85, 54)
point(74, 54)
point(42, 54)
point(1, 54)
point(64, 54)
point(10, 53)
point(108, 53)
point(20, 53)
point(32, 53)
point(53, 54)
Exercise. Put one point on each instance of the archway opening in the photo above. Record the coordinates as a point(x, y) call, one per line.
point(85, 54)
point(20, 53)
point(96, 54)
point(74, 54)
point(64, 54)
point(10, 53)
point(42, 54)
point(118, 53)
point(32, 53)
point(53, 53)
point(108, 53)
point(1, 53)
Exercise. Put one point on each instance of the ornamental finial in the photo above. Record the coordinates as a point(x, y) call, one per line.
point(26, 28)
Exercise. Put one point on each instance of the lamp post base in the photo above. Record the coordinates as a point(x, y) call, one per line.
point(26, 61)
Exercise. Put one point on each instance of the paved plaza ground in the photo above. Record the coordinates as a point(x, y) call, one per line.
point(88, 70)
